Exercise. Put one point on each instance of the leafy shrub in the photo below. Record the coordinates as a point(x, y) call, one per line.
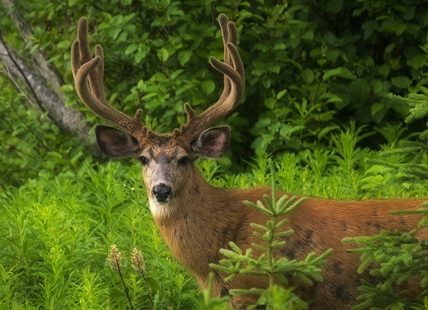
point(32, 146)
point(395, 258)
point(310, 67)
point(56, 237)
point(56, 233)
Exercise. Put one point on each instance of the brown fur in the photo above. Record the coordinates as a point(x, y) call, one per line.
point(208, 218)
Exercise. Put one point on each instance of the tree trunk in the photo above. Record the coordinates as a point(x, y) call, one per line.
point(37, 79)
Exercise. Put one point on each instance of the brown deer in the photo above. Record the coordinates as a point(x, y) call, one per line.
point(197, 220)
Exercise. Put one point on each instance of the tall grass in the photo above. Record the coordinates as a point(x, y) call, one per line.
point(56, 234)
point(56, 237)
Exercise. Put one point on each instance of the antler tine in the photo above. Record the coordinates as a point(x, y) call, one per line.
point(234, 85)
point(87, 68)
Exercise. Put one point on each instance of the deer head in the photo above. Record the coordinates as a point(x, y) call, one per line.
point(167, 159)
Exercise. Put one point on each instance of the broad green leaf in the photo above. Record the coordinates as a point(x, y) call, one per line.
point(341, 72)
point(139, 56)
point(275, 68)
point(335, 99)
point(384, 70)
point(270, 102)
point(165, 54)
point(401, 81)
point(184, 56)
point(281, 94)
point(208, 86)
point(309, 75)
point(377, 107)
point(369, 27)
point(389, 48)
point(377, 85)
point(131, 48)
point(279, 46)
point(71, 3)
point(419, 60)
point(309, 35)
point(334, 6)
point(321, 61)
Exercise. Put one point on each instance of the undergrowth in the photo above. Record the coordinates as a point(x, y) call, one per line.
point(56, 235)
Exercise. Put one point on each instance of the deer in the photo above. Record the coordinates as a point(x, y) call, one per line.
point(196, 220)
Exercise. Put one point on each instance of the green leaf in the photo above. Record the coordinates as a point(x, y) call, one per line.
point(418, 61)
point(377, 107)
point(163, 54)
point(309, 35)
point(153, 284)
point(281, 94)
point(279, 46)
point(72, 3)
point(401, 81)
point(139, 56)
point(327, 130)
point(369, 27)
point(270, 102)
point(275, 68)
point(208, 86)
point(184, 56)
point(334, 6)
point(341, 72)
point(321, 61)
point(384, 70)
point(358, 12)
point(309, 74)
point(335, 99)
point(389, 48)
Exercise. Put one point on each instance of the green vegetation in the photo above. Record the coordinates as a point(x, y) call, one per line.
point(76, 232)
point(57, 234)
point(310, 69)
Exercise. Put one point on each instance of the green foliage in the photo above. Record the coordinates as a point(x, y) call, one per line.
point(205, 301)
point(32, 146)
point(56, 237)
point(56, 233)
point(267, 264)
point(310, 67)
point(394, 258)
point(412, 166)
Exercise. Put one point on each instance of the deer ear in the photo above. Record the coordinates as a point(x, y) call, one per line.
point(212, 143)
point(114, 142)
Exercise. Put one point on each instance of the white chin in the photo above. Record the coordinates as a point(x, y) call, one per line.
point(160, 209)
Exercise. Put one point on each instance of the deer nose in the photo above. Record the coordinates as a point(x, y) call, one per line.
point(161, 192)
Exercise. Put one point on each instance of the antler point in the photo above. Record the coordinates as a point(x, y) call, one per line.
point(190, 112)
point(138, 114)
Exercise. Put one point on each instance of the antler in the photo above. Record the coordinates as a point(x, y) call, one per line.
point(85, 66)
point(234, 86)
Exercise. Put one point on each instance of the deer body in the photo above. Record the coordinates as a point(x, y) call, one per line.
point(203, 223)
point(197, 220)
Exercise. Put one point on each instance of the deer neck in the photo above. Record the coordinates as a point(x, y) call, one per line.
point(186, 227)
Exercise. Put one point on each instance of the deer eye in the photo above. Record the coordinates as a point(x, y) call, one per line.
point(183, 161)
point(143, 160)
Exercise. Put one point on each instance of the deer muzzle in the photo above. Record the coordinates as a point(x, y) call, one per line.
point(162, 192)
